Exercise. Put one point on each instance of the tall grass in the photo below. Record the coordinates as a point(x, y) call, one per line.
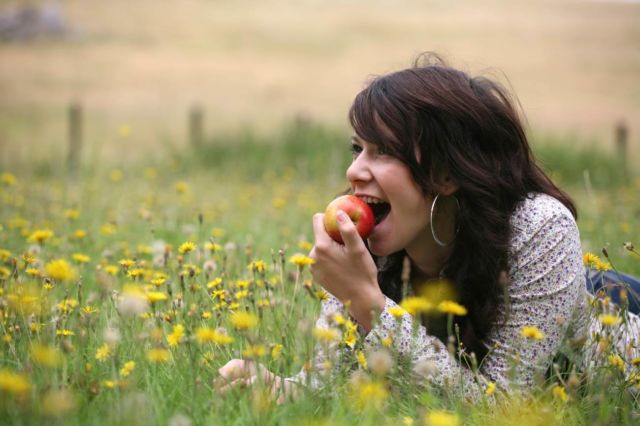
point(240, 198)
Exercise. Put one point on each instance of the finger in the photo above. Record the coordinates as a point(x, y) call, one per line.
point(240, 383)
point(348, 231)
point(319, 231)
point(234, 369)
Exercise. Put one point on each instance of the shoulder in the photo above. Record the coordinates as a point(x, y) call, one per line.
point(540, 213)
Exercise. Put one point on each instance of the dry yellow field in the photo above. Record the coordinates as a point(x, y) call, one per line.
point(575, 65)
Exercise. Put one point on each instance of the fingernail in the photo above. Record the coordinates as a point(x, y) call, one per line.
point(341, 216)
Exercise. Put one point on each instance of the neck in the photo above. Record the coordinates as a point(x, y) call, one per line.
point(427, 262)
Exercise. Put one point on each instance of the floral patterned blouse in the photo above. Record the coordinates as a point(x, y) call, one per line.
point(546, 290)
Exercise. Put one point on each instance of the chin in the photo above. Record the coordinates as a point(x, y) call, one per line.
point(379, 251)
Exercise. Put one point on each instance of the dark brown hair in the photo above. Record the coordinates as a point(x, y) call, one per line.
point(468, 128)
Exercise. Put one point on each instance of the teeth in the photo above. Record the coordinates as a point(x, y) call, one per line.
point(372, 200)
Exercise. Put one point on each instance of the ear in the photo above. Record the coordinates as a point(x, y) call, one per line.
point(446, 185)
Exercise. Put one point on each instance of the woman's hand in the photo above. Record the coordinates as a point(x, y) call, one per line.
point(346, 271)
point(240, 373)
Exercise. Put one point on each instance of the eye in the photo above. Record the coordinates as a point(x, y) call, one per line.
point(355, 149)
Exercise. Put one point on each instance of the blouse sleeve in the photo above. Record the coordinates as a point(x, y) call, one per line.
point(545, 279)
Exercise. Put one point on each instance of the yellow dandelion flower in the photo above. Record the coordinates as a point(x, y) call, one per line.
point(326, 334)
point(491, 389)
point(40, 236)
point(602, 266)
point(453, 308)
point(371, 394)
point(108, 229)
point(560, 393)
point(217, 232)
point(590, 259)
point(8, 179)
point(186, 247)
point(301, 260)
point(214, 283)
point(116, 175)
point(350, 338)
point(72, 214)
point(79, 234)
point(67, 305)
point(89, 310)
point(46, 356)
point(103, 352)
point(254, 351)
point(81, 258)
point(531, 332)
point(33, 272)
point(387, 342)
point(4, 272)
point(181, 187)
point(441, 418)
point(157, 355)
point(635, 361)
point(176, 335)
point(156, 296)
point(109, 384)
point(207, 335)
point(276, 351)
point(127, 263)
point(321, 295)
point(258, 266)
point(14, 383)
point(28, 258)
point(4, 255)
point(305, 245)
point(212, 247)
point(243, 320)
point(127, 368)
point(609, 320)
point(616, 361)
point(397, 311)
point(111, 269)
point(60, 270)
point(416, 305)
point(242, 294)
point(65, 333)
point(362, 359)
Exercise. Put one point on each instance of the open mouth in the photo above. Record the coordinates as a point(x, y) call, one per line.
point(380, 210)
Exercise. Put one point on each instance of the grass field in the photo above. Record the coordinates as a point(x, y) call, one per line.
point(109, 317)
point(573, 64)
point(121, 287)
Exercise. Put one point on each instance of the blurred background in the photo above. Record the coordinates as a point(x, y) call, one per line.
point(138, 67)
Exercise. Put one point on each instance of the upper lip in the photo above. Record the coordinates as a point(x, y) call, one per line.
point(361, 195)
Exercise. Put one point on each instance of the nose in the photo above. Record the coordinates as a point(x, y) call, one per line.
point(359, 170)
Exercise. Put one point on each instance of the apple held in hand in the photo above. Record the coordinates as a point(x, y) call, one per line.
point(358, 211)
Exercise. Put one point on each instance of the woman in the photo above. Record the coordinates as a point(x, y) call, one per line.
point(443, 160)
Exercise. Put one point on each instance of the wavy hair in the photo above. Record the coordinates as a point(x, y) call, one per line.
point(469, 128)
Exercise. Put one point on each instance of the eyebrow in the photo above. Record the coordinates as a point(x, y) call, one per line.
point(356, 138)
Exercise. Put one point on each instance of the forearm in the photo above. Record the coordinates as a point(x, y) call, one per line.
point(365, 306)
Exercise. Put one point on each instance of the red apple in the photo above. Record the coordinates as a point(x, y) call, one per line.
point(358, 211)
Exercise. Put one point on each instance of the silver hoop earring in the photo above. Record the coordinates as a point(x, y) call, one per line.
point(433, 231)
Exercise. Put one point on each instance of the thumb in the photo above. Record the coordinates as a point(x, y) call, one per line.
point(348, 230)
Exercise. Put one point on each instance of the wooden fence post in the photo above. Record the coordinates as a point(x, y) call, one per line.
point(622, 135)
point(196, 126)
point(75, 137)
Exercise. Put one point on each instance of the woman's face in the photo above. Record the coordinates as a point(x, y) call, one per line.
point(386, 184)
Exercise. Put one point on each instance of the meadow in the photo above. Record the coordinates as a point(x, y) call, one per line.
point(124, 289)
point(127, 283)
